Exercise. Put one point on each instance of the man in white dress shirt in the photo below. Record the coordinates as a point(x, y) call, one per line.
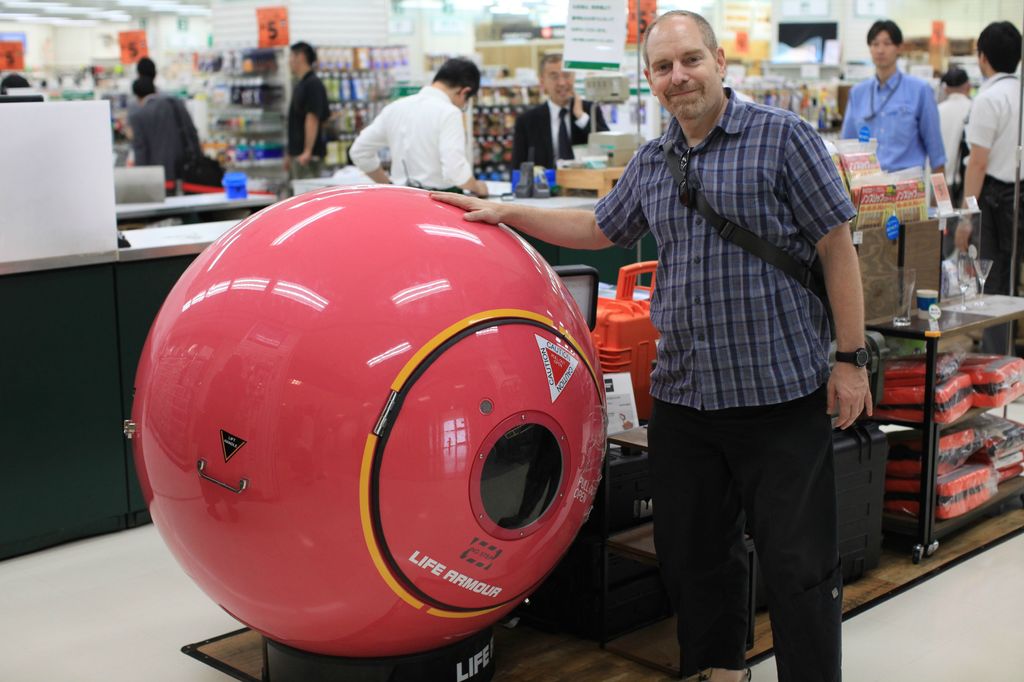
point(992, 165)
point(425, 134)
point(953, 113)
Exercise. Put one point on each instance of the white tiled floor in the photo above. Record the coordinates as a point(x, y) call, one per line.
point(118, 608)
point(962, 625)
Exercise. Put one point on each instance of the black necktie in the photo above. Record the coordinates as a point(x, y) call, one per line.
point(564, 141)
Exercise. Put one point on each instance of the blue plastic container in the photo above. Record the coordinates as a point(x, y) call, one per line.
point(234, 185)
point(549, 173)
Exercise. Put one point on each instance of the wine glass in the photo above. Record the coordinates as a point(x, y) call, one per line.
point(964, 277)
point(983, 266)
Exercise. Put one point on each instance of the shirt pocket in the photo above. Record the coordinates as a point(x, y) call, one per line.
point(745, 203)
point(902, 117)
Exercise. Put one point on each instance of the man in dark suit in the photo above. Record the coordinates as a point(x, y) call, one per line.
point(547, 131)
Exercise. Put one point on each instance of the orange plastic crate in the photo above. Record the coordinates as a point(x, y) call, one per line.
point(625, 337)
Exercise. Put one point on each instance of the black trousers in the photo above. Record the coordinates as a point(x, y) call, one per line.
point(996, 204)
point(715, 473)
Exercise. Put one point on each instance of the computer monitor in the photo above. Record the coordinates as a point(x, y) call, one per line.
point(805, 43)
point(581, 281)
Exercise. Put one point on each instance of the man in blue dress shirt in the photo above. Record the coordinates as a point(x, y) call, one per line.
point(740, 432)
point(896, 109)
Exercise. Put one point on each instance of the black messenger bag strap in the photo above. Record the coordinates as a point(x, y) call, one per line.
point(811, 277)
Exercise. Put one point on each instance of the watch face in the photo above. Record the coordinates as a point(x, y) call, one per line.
point(862, 357)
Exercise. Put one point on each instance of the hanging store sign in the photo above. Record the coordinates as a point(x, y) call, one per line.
point(595, 35)
point(938, 38)
point(648, 11)
point(273, 26)
point(12, 56)
point(133, 46)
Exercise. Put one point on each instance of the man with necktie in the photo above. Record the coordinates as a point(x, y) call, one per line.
point(548, 131)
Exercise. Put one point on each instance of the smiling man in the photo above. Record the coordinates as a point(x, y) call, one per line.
point(894, 108)
point(740, 434)
point(547, 132)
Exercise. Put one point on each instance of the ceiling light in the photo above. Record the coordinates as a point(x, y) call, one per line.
point(22, 4)
point(111, 15)
point(69, 10)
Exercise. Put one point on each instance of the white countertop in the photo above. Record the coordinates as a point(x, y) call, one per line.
point(496, 190)
point(191, 203)
point(179, 240)
point(165, 242)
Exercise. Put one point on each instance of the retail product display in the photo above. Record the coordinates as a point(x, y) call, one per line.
point(814, 101)
point(494, 119)
point(953, 398)
point(359, 81)
point(997, 380)
point(247, 91)
point(931, 497)
point(352, 487)
point(972, 457)
point(878, 195)
point(624, 335)
point(998, 437)
point(910, 370)
point(956, 493)
point(954, 448)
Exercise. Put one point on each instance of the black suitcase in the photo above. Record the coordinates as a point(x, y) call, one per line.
point(624, 498)
point(860, 454)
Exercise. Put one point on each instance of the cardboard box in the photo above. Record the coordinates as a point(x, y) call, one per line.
point(879, 256)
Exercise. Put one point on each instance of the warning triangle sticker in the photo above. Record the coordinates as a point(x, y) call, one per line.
point(230, 444)
point(559, 365)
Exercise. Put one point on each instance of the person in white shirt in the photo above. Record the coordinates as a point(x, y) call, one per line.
point(953, 111)
point(992, 167)
point(425, 134)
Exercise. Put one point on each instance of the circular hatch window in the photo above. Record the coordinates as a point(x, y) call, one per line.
point(521, 475)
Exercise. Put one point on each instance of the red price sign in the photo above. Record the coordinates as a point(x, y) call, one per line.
point(938, 33)
point(273, 26)
point(648, 10)
point(12, 56)
point(133, 46)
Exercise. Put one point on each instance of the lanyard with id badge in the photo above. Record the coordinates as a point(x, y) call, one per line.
point(864, 134)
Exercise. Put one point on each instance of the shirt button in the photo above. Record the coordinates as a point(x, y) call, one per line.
point(700, 337)
point(697, 259)
point(697, 300)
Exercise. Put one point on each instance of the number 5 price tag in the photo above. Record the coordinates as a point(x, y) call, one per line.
point(12, 56)
point(133, 46)
point(273, 26)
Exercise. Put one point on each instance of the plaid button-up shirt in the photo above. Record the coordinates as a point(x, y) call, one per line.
point(735, 331)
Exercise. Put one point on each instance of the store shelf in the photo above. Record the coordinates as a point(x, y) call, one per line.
point(971, 413)
point(1004, 309)
point(634, 439)
point(255, 130)
point(636, 543)
point(907, 525)
point(656, 646)
point(925, 528)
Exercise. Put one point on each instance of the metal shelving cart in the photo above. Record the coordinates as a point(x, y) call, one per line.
point(926, 529)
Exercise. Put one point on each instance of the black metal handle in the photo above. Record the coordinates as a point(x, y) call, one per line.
point(242, 483)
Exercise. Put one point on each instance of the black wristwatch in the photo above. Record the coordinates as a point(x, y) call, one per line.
point(858, 357)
